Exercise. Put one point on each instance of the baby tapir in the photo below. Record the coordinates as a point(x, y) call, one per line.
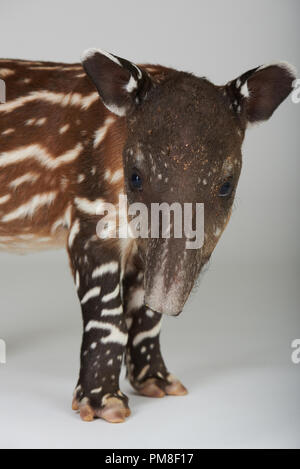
point(75, 137)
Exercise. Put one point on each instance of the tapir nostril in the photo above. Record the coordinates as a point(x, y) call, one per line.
point(168, 313)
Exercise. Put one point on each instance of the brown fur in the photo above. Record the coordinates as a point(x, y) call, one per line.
point(64, 148)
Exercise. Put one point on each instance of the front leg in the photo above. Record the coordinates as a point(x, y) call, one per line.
point(146, 368)
point(96, 269)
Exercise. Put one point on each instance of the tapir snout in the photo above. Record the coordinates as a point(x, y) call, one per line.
point(170, 275)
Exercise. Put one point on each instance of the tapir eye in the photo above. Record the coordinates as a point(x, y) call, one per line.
point(226, 189)
point(136, 181)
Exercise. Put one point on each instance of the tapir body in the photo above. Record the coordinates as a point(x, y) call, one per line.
point(74, 138)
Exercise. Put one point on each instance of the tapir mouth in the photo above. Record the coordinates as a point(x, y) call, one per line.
point(164, 298)
point(163, 311)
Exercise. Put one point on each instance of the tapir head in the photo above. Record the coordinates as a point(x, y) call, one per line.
point(183, 146)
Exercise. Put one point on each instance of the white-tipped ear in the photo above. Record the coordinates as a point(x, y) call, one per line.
point(257, 93)
point(290, 68)
point(121, 84)
point(89, 53)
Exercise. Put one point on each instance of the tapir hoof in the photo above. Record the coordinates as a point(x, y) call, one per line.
point(114, 410)
point(160, 387)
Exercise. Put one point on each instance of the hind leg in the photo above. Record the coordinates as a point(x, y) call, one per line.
point(146, 368)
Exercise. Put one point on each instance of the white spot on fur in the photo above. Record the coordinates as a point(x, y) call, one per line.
point(91, 207)
point(7, 131)
point(131, 85)
point(136, 299)
point(41, 121)
point(28, 177)
point(96, 390)
point(107, 174)
point(80, 178)
point(92, 293)
point(64, 129)
point(112, 295)
point(117, 176)
point(62, 99)
point(38, 153)
point(29, 121)
point(143, 372)
point(4, 198)
point(112, 312)
point(147, 334)
point(6, 72)
point(245, 90)
point(108, 268)
point(73, 233)
point(114, 336)
point(28, 209)
point(77, 279)
point(101, 133)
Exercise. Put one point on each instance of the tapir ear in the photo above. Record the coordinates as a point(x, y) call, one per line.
point(257, 93)
point(121, 84)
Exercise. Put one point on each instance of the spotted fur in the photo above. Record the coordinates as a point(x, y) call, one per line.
point(69, 136)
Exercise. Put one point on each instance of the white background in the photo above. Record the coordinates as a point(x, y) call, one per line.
point(232, 345)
